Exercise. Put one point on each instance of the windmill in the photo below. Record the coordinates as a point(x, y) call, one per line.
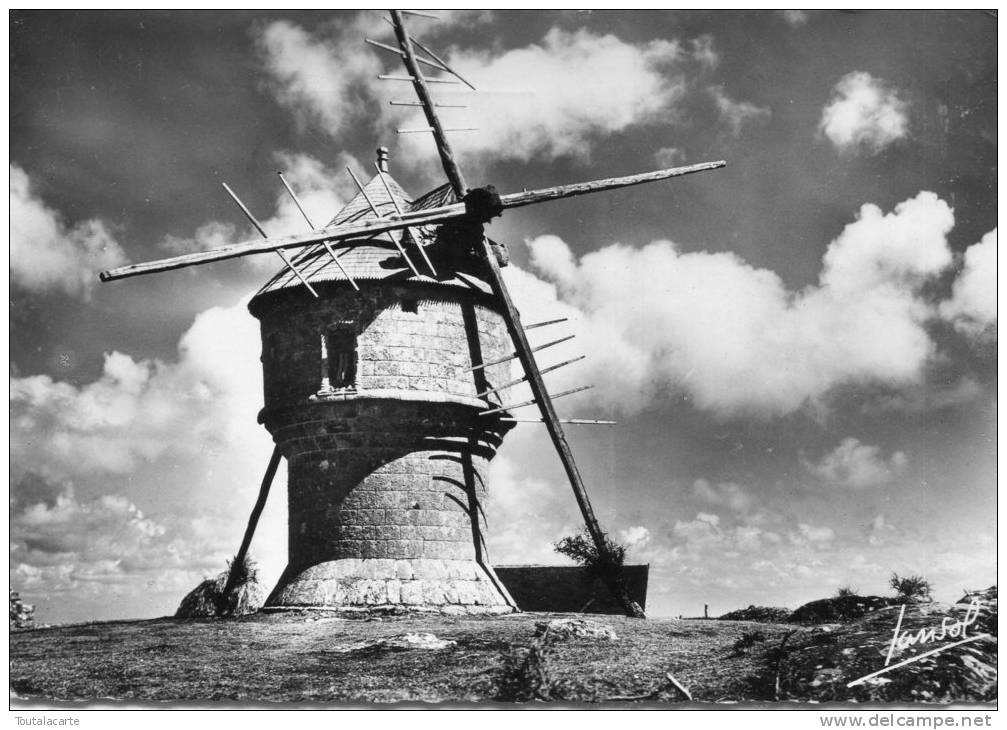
point(382, 340)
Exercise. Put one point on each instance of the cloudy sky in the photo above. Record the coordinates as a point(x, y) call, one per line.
point(800, 349)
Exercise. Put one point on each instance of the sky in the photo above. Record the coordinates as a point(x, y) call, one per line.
point(799, 348)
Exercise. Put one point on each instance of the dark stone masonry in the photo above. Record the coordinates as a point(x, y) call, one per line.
point(372, 399)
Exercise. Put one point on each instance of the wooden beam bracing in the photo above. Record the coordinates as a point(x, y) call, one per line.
point(397, 52)
point(328, 248)
point(574, 421)
point(370, 227)
point(512, 406)
point(416, 130)
point(515, 355)
point(442, 62)
point(543, 324)
point(258, 226)
point(379, 215)
point(439, 105)
point(253, 521)
point(391, 77)
point(523, 378)
point(448, 162)
point(398, 210)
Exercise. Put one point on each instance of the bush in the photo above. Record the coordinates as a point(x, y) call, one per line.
point(581, 549)
point(605, 565)
point(527, 671)
point(208, 600)
point(748, 639)
point(244, 572)
point(847, 591)
point(911, 588)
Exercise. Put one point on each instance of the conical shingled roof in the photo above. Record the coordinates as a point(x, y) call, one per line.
point(375, 257)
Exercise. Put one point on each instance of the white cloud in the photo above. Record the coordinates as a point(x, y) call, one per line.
point(209, 235)
point(669, 156)
point(322, 191)
point(322, 77)
point(704, 535)
point(526, 515)
point(735, 114)
point(881, 531)
point(45, 253)
point(581, 86)
point(328, 78)
point(704, 53)
point(815, 535)
point(725, 494)
point(137, 410)
point(635, 538)
point(98, 556)
point(795, 18)
point(864, 115)
point(732, 337)
point(140, 481)
point(973, 304)
point(856, 465)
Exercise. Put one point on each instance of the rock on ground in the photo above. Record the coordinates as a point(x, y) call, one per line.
point(202, 601)
point(575, 628)
point(762, 614)
point(839, 609)
point(399, 642)
point(818, 664)
point(22, 615)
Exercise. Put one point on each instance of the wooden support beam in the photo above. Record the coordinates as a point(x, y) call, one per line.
point(430, 216)
point(416, 130)
point(398, 210)
point(400, 54)
point(442, 62)
point(574, 421)
point(612, 572)
point(253, 521)
point(378, 214)
point(328, 248)
point(451, 168)
point(512, 406)
point(263, 233)
point(517, 333)
point(439, 105)
point(517, 355)
point(357, 229)
point(543, 324)
point(525, 377)
point(516, 200)
point(297, 202)
point(390, 77)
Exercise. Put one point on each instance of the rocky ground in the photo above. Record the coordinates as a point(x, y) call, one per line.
point(518, 658)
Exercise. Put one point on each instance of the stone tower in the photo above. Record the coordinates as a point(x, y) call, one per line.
point(371, 397)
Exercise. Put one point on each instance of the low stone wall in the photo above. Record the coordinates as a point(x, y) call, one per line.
point(568, 588)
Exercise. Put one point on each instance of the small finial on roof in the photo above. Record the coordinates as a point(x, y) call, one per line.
point(383, 159)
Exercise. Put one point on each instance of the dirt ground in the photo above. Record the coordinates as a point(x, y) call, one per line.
point(311, 659)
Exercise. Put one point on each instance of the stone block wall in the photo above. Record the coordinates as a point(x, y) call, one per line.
point(431, 349)
point(386, 477)
point(569, 588)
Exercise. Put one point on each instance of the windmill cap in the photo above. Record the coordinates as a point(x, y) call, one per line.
point(376, 258)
